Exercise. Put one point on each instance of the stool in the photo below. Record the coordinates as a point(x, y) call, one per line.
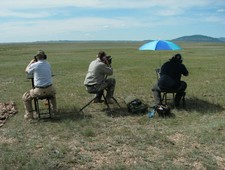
point(104, 101)
point(165, 98)
point(37, 107)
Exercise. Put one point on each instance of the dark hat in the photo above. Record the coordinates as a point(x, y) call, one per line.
point(176, 57)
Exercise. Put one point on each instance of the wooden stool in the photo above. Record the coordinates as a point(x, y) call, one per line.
point(37, 107)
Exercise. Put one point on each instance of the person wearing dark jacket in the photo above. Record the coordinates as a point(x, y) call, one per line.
point(170, 79)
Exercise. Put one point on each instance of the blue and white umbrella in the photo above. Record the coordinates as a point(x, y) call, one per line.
point(160, 45)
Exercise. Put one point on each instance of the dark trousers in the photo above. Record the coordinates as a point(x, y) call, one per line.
point(108, 85)
point(180, 91)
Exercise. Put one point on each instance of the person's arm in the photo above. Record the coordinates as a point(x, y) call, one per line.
point(28, 66)
point(107, 70)
point(185, 71)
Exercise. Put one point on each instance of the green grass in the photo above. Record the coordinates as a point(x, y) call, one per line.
point(193, 139)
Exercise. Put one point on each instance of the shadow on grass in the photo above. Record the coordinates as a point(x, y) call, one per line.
point(204, 107)
point(68, 114)
point(122, 112)
point(117, 112)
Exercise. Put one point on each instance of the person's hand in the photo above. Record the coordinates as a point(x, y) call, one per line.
point(105, 60)
point(33, 61)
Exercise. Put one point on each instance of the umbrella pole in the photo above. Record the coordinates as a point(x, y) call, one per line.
point(159, 60)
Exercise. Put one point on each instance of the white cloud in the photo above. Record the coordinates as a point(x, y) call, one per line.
point(20, 8)
point(9, 13)
point(21, 4)
point(33, 9)
point(221, 10)
point(26, 20)
point(76, 24)
point(215, 19)
point(40, 29)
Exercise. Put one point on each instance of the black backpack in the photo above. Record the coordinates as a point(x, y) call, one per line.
point(137, 106)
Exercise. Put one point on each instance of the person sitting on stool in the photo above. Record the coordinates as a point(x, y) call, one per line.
point(96, 81)
point(170, 75)
point(40, 69)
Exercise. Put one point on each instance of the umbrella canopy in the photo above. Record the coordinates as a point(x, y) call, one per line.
point(160, 45)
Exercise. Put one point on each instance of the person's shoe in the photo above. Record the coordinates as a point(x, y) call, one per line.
point(35, 115)
point(28, 117)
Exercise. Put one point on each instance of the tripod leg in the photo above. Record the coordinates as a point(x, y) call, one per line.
point(87, 104)
point(107, 104)
point(116, 101)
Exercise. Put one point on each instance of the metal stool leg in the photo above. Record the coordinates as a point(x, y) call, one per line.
point(183, 99)
point(36, 104)
point(49, 108)
point(37, 107)
point(164, 98)
point(173, 103)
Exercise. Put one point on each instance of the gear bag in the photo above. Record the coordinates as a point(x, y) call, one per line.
point(163, 110)
point(137, 106)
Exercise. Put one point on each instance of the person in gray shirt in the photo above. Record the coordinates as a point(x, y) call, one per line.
point(96, 80)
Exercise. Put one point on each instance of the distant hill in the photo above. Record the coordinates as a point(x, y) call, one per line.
point(199, 38)
point(222, 39)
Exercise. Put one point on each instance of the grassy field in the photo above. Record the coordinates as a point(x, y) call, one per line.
point(193, 139)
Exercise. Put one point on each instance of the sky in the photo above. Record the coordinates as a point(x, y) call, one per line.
point(135, 20)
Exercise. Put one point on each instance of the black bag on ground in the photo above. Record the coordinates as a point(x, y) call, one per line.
point(137, 106)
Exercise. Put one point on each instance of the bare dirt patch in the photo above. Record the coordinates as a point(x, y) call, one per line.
point(7, 110)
